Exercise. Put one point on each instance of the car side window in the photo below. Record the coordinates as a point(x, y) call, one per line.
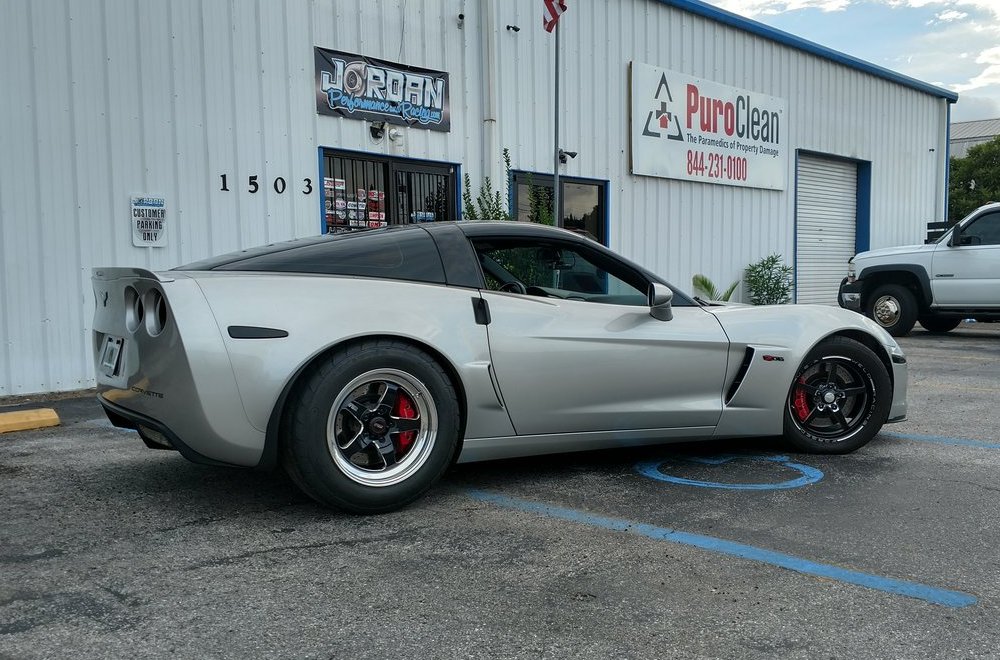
point(558, 270)
point(984, 230)
point(407, 254)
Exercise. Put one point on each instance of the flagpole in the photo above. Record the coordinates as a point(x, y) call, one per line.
point(555, 155)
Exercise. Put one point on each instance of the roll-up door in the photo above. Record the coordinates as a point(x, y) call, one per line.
point(826, 221)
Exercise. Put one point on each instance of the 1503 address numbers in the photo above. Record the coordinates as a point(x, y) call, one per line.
point(279, 184)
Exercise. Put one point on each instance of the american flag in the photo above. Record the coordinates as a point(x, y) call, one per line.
point(553, 10)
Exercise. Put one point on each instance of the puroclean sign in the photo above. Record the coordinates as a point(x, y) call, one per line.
point(359, 87)
point(699, 130)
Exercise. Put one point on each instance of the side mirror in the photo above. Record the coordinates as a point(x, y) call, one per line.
point(660, 296)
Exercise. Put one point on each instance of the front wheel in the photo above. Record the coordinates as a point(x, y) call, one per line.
point(839, 399)
point(893, 307)
point(372, 428)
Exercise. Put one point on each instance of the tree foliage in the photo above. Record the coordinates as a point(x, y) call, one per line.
point(974, 180)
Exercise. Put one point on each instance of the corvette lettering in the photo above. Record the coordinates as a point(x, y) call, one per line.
point(149, 393)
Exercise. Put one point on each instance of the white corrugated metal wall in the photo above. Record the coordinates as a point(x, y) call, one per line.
point(104, 99)
point(681, 228)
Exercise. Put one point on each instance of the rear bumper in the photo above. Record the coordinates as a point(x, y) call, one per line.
point(154, 433)
point(849, 296)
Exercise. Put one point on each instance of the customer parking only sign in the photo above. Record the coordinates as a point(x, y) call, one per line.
point(149, 218)
point(698, 130)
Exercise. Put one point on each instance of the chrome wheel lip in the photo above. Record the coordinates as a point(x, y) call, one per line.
point(863, 409)
point(886, 311)
point(417, 454)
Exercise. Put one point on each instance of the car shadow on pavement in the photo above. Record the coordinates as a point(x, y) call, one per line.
point(606, 461)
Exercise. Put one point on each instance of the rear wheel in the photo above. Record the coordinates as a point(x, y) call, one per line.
point(938, 324)
point(893, 307)
point(373, 428)
point(839, 399)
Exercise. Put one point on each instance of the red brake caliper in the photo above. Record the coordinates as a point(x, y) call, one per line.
point(800, 403)
point(404, 409)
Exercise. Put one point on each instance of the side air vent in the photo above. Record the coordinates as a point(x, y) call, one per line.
point(741, 374)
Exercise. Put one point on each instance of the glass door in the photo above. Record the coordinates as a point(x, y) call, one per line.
point(363, 191)
point(582, 201)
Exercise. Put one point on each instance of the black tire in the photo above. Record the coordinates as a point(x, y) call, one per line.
point(939, 324)
point(334, 457)
point(893, 307)
point(838, 410)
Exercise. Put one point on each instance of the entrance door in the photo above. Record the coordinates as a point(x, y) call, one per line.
point(826, 222)
point(365, 191)
point(424, 192)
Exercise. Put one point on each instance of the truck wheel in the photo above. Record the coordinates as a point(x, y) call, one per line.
point(893, 307)
point(939, 324)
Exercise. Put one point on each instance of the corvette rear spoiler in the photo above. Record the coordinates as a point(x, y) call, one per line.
point(108, 274)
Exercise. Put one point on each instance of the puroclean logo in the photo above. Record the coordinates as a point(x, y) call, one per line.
point(661, 122)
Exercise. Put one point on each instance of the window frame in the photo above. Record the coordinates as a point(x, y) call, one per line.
point(599, 258)
point(518, 177)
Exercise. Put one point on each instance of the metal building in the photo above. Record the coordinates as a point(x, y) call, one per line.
point(157, 133)
point(968, 134)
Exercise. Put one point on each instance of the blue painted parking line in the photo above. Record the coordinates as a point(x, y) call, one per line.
point(942, 440)
point(810, 475)
point(924, 592)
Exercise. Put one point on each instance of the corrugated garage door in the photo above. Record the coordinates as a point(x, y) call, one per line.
point(826, 219)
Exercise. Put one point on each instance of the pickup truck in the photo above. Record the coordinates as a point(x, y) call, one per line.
point(939, 284)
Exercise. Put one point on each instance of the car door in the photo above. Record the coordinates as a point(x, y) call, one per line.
point(575, 349)
point(966, 269)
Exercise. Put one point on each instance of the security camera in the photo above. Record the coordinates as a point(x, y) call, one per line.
point(563, 154)
point(377, 130)
point(513, 28)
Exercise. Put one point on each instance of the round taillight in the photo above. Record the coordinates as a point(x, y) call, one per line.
point(156, 319)
point(134, 309)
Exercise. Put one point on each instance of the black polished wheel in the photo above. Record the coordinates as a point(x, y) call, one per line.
point(371, 428)
point(839, 399)
point(382, 427)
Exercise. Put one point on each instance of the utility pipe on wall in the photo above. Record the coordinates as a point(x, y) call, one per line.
point(489, 74)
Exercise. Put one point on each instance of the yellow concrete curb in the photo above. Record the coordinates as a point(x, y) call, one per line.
point(25, 420)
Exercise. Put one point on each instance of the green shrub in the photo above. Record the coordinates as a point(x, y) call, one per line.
point(769, 281)
point(488, 204)
point(705, 289)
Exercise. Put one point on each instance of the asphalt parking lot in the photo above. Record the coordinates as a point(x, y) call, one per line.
point(720, 550)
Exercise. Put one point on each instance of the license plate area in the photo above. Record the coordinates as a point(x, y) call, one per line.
point(111, 355)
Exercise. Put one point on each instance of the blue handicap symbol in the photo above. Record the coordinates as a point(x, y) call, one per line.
point(809, 474)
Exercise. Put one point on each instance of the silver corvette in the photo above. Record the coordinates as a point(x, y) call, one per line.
point(365, 364)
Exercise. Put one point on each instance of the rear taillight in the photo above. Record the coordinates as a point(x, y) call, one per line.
point(156, 316)
point(134, 309)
